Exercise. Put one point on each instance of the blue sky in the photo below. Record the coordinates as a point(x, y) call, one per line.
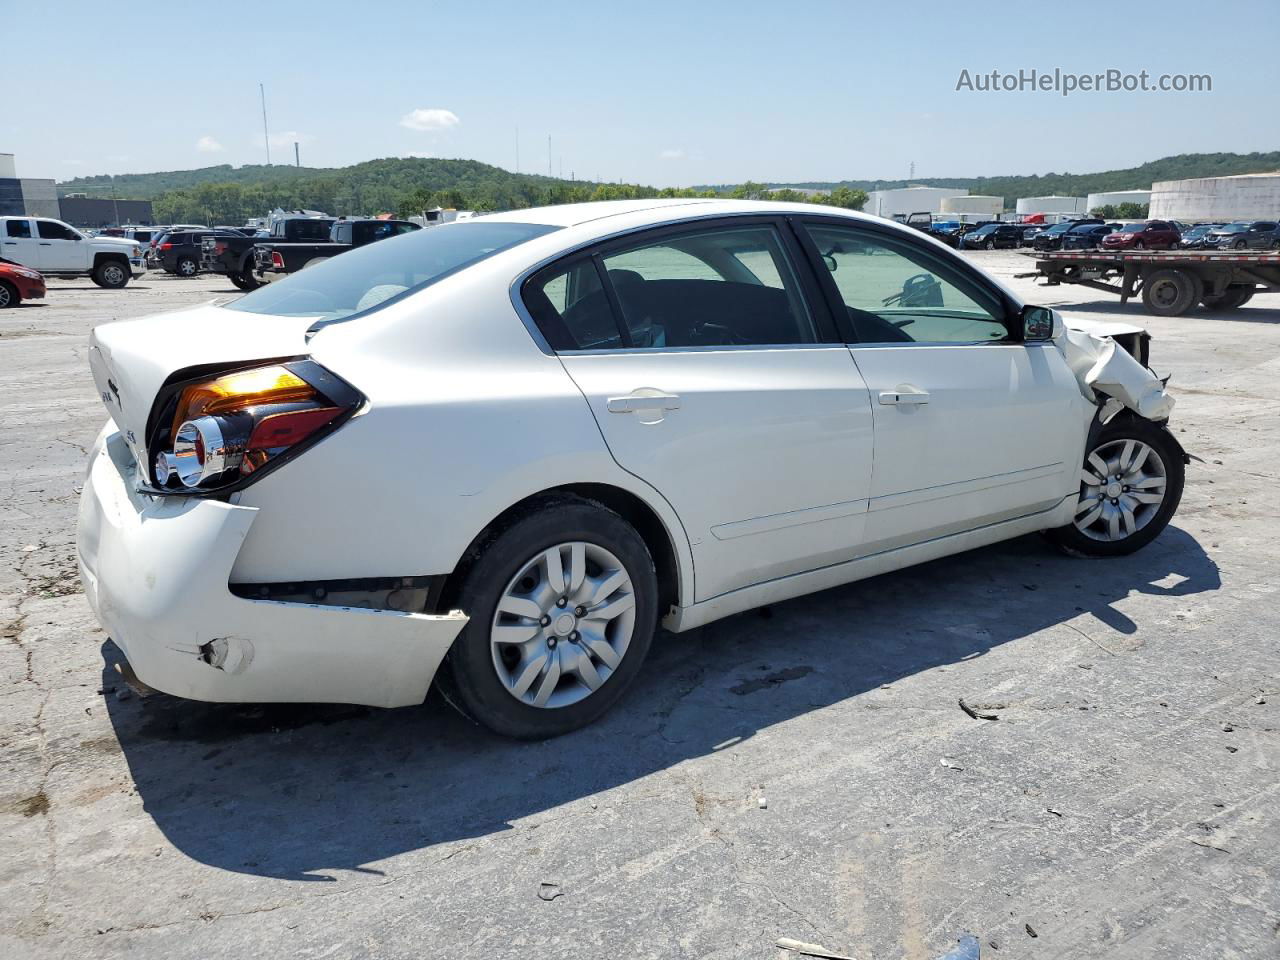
point(657, 92)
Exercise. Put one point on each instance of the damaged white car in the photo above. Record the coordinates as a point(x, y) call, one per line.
point(496, 454)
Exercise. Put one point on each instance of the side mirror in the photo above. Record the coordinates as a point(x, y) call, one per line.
point(1039, 324)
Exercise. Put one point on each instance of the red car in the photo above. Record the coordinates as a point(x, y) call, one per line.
point(18, 283)
point(1152, 235)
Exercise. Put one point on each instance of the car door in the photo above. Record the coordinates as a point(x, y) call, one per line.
point(972, 426)
point(1262, 235)
point(19, 243)
point(60, 247)
point(719, 381)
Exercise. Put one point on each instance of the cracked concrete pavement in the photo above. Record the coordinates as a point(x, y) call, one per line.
point(804, 772)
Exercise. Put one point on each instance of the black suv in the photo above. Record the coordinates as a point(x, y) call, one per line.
point(179, 252)
point(993, 236)
point(1051, 239)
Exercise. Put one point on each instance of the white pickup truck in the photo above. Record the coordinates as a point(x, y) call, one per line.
point(59, 250)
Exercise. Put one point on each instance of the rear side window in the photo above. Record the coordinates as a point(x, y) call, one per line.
point(18, 228)
point(368, 276)
point(571, 308)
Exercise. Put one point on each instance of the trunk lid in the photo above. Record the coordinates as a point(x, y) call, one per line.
point(132, 359)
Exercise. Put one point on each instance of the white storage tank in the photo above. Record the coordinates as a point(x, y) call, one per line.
point(908, 200)
point(1117, 197)
point(980, 205)
point(1030, 205)
point(1252, 196)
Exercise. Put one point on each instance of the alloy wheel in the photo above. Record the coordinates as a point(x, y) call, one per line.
point(1122, 487)
point(4, 296)
point(562, 625)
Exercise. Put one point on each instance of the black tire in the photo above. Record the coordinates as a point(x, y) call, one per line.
point(1240, 245)
point(187, 267)
point(1128, 427)
point(1235, 296)
point(244, 281)
point(111, 274)
point(469, 678)
point(1171, 293)
point(8, 295)
point(990, 245)
point(1139, 245)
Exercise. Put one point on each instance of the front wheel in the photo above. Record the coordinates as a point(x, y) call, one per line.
point(562, 607)
point(8, 295)
point(1130, 486)
point(111, 274)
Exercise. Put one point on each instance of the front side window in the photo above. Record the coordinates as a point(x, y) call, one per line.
point(895, 292)
point(18, 228)
point(51, 230)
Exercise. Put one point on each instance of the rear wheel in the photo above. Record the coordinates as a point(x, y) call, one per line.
point(111, 274)
point(187, 267)
point(562, 608)
point(1239, 245)
point(1171, 293)
point(244, 281)
point(8, 295)
point(1130, 486)
point(1235, 296)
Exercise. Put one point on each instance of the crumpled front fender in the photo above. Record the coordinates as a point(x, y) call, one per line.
point(1101, 366)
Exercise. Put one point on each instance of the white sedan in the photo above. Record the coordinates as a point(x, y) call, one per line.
point(495, 454)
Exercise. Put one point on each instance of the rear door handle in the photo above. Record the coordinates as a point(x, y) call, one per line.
point(650, 401)
point(46, 244)
point(905, 396)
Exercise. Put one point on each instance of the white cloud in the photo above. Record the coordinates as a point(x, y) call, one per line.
point(672, 153)
point(429, 119)
point(207, 144)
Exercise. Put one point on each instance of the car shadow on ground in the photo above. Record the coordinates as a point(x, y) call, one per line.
point(304, 791)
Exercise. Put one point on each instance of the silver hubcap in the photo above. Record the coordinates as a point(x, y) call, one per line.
point(563, 625)
point(4, 296)
point(187, 267)
point(1122, 487)
point(113, 274)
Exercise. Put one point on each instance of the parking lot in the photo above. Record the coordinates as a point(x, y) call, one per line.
point(806, 771)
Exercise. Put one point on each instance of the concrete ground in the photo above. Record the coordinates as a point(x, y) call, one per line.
point(805, 772)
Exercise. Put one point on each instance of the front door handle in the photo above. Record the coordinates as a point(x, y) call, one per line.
point(648, 400)
point(904, 396)
point(46, 244)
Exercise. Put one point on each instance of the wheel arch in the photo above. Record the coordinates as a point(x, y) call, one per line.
point(674, 582)
point(105, 256)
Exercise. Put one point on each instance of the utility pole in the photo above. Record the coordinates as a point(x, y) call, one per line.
point(266, 138)
point(911, 171)
point(517, 148)
point(297, 158)
point(549, 173)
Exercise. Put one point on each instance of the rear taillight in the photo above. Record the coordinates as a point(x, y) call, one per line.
point(276, 259)
point(226, 428)
point(166, 246)
point(219, 248)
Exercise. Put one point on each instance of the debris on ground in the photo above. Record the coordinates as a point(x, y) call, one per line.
point(950, 764)
point(763, 803)
point(549, 891)
point(1031, 931)
point(1208, 846)
point(976, 713)
point(810, 949)
point(1056, 813)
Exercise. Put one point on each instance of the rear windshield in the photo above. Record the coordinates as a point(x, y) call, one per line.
point(368, 276)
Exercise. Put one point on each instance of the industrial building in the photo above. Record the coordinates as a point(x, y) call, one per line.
point(1051, 205)
point(1251, 196)
point(973, 205)
point(1117, 197)
point(908, 200)
point(25, 196)
point(95, 212)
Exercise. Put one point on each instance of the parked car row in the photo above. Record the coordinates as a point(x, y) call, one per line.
point(57, 249)
point(1240, 235)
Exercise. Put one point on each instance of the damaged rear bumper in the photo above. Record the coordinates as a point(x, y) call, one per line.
point(155, 571)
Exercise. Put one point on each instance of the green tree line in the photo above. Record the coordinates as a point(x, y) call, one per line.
point(406, 187)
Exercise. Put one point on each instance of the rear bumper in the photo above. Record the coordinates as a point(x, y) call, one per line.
point(155, 572)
